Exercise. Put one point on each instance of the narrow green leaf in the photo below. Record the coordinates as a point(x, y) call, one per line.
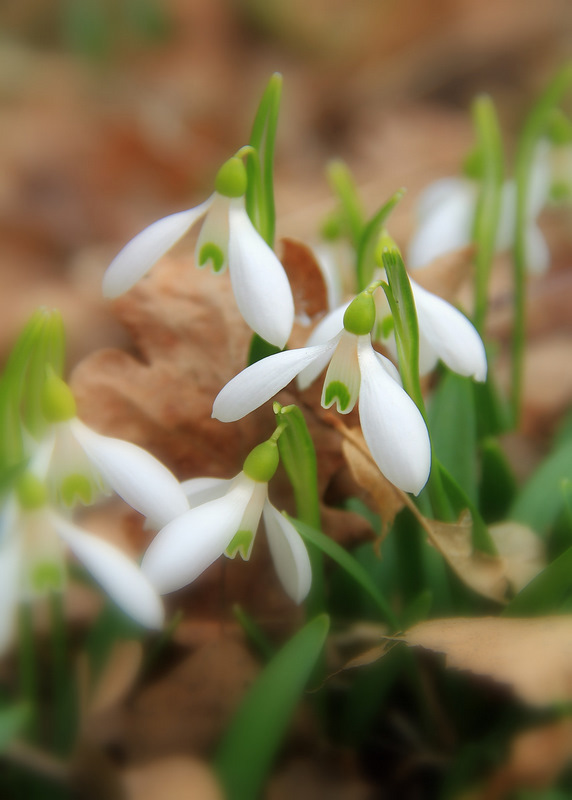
point(498, 484)
point(459, 502)
point(248, 749)
point(351, 211)
point(452, 422)
point(368, 240)
point(259, 349)
point(547, 592)
point(347, 562)
point(540, 500)
point(13, 720)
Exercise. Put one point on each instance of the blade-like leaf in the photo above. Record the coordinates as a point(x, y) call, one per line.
point(540, 500)
point(248, 749)
point(547, 592)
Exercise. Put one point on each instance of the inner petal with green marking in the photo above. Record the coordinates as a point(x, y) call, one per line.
point(343, 378)
point(241, 543)
point(212, 244)
point(210, 252)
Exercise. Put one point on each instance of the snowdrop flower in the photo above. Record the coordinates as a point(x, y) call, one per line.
point(224, 519)
point(446, 213)
point(444, 333)
point(33, 542)
point(227, 238)
point(80, 463)
point(391, 422)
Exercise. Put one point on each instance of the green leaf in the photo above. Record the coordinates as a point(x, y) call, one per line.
point(351, 212)
point(452, 422)
point(547, 592)
point(259, 349)
point(368, 241)
point(347, 562)
point(498, 484)
point(248, 749)
point(13, 720)
point(540, 500)
point(459, 502)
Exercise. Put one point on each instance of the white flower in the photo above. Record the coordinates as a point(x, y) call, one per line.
point(32, 563)
point(391, 422)
point(224, 519)
point(446, 213)
point(444, 333)
point(227, 238)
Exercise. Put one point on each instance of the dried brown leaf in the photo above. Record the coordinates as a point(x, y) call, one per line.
point(306, 279)
point(522, 551)
point(172, 778)
point(532, 656)
point(118, 677)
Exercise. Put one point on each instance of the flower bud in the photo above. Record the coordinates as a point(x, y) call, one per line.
point(231, 178)
point(262, 462)
point(360, 314)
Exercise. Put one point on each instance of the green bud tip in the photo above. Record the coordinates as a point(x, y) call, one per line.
point(58, 402)
point(31, 492)
point(231, 178)
point(360, 314)
point(262, 462)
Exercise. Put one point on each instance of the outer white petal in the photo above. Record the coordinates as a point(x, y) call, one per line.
point(137, 476)
point(537, 252)
point(447, 228)
point(190, 543)
point(289, 554)
point(540, 179)
point(119, 576)
point(260, 285)
point(450, 334)
point(203, 490)
point(258, 383)
point(328, 329)
point(392, 425)
point(440, 191)
point(9, 587)
point(145, 249)
point(389, 367)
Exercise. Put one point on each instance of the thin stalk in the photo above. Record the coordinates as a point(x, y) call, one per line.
point(534, 128)
point(27, 663)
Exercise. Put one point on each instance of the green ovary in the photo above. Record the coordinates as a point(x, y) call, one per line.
point(240, 543)
point(76, 486)
point(211, 252)
point(336, 389)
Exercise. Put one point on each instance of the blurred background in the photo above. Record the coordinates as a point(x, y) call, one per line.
point(115, 112)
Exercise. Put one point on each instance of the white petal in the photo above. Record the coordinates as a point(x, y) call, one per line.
point(137, 476)
point(9, 587)
point(251, 517)
point(260, 285)
point(119, 576)
point(539, 181)
point(450, 334)
point(440, 191)
point(214, 231)
point(203, 490)
point(392, 426)
point(189, 544)
point(448, 227)
point(258, 383)
point(507, 221)
point(328, 329)
point(145, 249)
point(389, 367)
point(289, 554)
point(343, 378)
point(537, 252)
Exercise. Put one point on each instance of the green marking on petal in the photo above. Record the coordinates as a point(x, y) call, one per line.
point(76, 486)
point(47, 576)
point(337, 389)
point(211, 252)
point(241, 543)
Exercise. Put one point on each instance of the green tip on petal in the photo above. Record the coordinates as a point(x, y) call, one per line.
point(262, 462)
point(241, 543)
point(76, 486)
point(336, 390)
point(47, 576)
point(58, 402)
point(359, 317)
point(211, 252)
point(231, 178)
point(31, 492)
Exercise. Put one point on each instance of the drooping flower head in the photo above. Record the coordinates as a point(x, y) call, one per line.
point(391, 422)
point(227, 239)
point(224, 518)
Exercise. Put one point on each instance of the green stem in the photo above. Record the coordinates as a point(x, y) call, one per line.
point(534, 128)
point(27, 663)
point(489, 201)
point(63, 721)
point(343, 186)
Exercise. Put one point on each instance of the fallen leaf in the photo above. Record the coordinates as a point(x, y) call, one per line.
point(387, 499)
point(531, 656)
point(306, 279)
point(172, 778)
point(118, 676)
point(521, 550)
